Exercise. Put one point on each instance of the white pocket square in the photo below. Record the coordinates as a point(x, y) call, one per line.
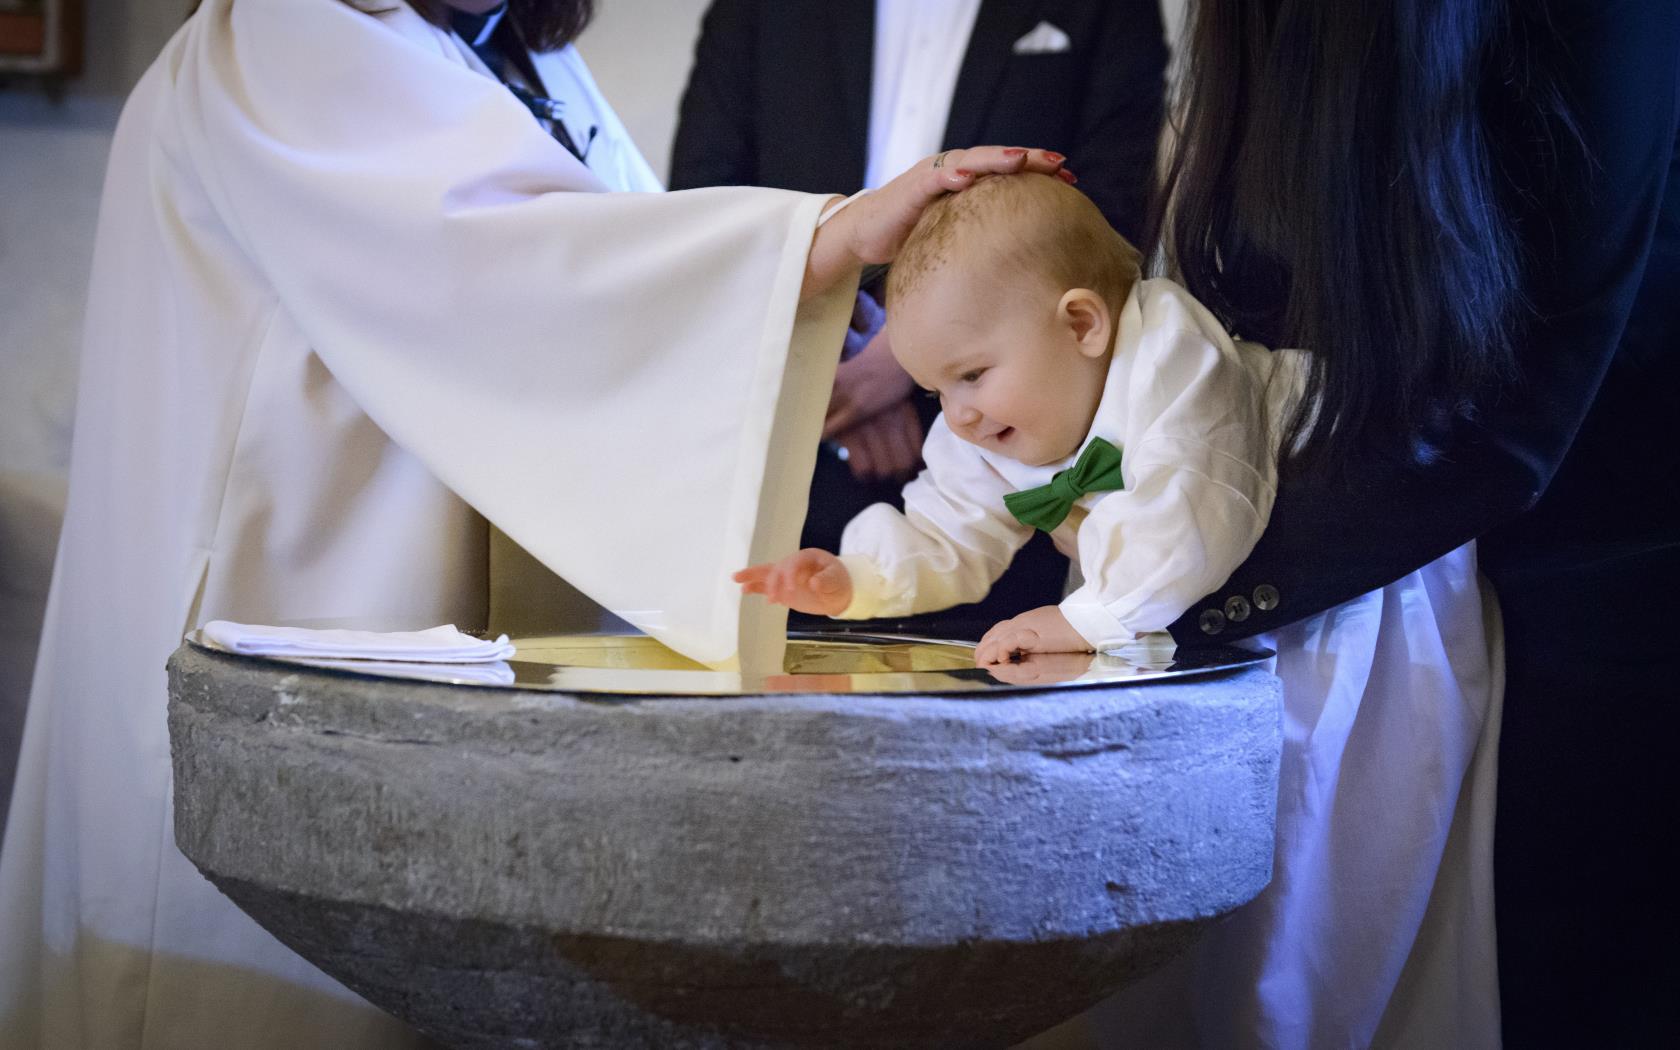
point(1045, 39)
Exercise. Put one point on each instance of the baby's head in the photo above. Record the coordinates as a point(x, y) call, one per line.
point(1004, 301)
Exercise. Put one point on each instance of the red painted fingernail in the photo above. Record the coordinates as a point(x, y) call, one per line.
point(1056, 157)
point(964, 172)
point(1067, 176)
point(1014, 151)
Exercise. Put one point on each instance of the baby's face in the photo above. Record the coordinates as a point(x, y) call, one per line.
point(1010, 371)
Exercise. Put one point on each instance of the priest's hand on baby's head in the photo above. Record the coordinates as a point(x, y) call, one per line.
point(808, 581)
point(872, 226)
point(879, 221)
point(1040, 630)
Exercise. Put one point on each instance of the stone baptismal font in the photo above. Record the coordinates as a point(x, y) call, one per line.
point(882, 847)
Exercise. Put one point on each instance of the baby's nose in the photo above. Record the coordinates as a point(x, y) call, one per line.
point(964, 415)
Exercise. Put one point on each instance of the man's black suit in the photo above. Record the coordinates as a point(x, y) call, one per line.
point(780, 92)
point(780, 95)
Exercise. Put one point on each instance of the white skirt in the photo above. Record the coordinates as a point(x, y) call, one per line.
point(1377, 928)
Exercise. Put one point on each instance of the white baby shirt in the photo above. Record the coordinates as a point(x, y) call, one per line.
point(1195, 415)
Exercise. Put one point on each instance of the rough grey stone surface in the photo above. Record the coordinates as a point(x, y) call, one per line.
point(519, 869)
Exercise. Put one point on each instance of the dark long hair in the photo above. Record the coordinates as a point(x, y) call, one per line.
point(544, 25)
point(1334, 187)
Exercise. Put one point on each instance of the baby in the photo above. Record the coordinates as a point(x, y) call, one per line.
point(1112, 412)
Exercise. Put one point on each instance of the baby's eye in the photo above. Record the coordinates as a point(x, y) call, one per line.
point(972, 375)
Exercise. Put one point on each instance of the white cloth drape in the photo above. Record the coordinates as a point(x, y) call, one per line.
point(348, 302)
point(1377, 928)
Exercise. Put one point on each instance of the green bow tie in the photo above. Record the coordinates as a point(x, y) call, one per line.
point(1047, 506)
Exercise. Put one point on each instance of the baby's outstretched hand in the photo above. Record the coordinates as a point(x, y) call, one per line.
point(1040, 630)
point(810, 581)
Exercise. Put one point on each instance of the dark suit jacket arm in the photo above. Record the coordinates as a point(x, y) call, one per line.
point(715, 141)
point(1327, 543)
point(1324, 544)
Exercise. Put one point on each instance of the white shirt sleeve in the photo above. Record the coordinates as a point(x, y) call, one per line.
point(1200, 478)
point(950, 545)
point(918, 52)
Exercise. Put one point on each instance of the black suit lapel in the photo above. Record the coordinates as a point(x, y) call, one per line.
point(854, 51)
point(997, 26)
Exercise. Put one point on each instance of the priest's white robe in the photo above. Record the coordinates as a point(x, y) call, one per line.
point(349, 301)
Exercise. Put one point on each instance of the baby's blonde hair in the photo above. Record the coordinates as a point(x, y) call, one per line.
point(1026, 225)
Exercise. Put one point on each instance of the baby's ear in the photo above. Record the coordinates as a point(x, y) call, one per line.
point(1085, 314)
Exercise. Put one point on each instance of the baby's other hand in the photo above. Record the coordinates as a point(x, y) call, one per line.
point(1040, 630)
point(810, 581)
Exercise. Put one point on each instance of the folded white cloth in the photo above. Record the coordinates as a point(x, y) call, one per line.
point(438, 645)
point(498, 673)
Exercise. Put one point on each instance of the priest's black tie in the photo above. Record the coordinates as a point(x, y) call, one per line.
point(496, 42)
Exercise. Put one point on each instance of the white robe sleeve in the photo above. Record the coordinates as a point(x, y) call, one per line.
point(950, 545)
point(1200, 477)
point(614, 380)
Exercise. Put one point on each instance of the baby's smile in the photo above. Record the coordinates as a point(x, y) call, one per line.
point(990, 432)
